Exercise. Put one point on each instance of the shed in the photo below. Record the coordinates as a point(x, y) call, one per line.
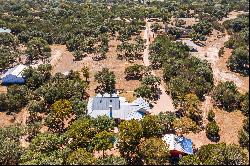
point(178, 146)
point(192, 46)
point(14, 75)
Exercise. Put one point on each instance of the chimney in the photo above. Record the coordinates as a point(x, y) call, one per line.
point(110, 111)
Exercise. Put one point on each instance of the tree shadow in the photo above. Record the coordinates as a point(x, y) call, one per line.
point(215, 139)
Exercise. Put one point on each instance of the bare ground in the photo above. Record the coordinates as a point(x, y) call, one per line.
point(165, 102)
point(229, 122)
point(62, 61)
point(220, 71)
point(232, 15)
point(18, 118)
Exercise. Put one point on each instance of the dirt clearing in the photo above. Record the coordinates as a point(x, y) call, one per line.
point(63, 61)
point(229, 122)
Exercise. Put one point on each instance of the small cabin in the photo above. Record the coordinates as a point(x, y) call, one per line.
point(14, 75)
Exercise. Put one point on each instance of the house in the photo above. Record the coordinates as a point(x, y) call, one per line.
point(4, 30)
point(117, 107)
point(178, 146)
point(14, 75)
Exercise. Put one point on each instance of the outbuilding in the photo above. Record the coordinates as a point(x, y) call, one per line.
point(178, 146)
point(14, 75)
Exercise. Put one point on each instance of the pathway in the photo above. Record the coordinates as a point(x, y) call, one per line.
point(165, 102)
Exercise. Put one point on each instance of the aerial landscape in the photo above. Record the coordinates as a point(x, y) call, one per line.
point(124, 82)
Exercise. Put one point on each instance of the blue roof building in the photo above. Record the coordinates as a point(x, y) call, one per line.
point(178, 145)
point(117, 107)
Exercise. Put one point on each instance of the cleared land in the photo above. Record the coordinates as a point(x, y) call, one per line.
point(230, 123)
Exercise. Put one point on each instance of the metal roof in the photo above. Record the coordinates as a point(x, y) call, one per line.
point(181, 144)
point(16, 71)
point(2, 30)
point(190, 43)
point(103, 103)
point(121, 109)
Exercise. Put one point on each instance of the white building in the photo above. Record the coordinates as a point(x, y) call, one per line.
point(14, 75)
point(177, 145)
point(117, 107)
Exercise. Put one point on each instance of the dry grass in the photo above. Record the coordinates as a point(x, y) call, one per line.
point(222, 64)
point(62, 61)
point(129, 96)
point(229, 122)
point(18, 118)
point(3, 89)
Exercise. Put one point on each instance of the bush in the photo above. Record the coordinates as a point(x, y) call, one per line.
point(211, 116)
point(212, 131)
point(245, 104)
point(239, 61)
point(221, 52)
point(243, 134)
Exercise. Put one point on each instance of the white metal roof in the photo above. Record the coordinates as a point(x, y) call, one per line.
point(169, 139)
point(126, 111)
point(181, 144)
point(16, 71)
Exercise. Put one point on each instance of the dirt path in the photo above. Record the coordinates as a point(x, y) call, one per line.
point(220, 71)
point(165, 102)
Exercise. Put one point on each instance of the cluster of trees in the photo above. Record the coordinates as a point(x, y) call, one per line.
point(212, 128)
point(201, 29)
point(8, 50)
point(138, 142)
point(227, 96)
point(216, 154)
point(134, 72)
point(243, 134)
point(183, 74)
point(239, 42)
point(107, 81)
point(149, 87)
point(131, 51)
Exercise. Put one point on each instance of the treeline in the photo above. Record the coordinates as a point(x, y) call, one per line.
point(239, 42)
point(138, 143)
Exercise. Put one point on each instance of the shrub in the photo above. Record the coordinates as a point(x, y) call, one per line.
point(212, 131)
point(211, 116)
point(221, 52)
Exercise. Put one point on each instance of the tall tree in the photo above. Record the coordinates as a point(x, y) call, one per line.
point(38, 49)
point(130, 133)
point(151, 125)
point(80, 157)
point(154, 151)
point(85, 72)
point(107, 80)
point(227, 96)
point(104, 141)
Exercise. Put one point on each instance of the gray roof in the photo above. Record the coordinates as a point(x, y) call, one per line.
point(190, 43)
point(103, 103)
point(121, 109)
